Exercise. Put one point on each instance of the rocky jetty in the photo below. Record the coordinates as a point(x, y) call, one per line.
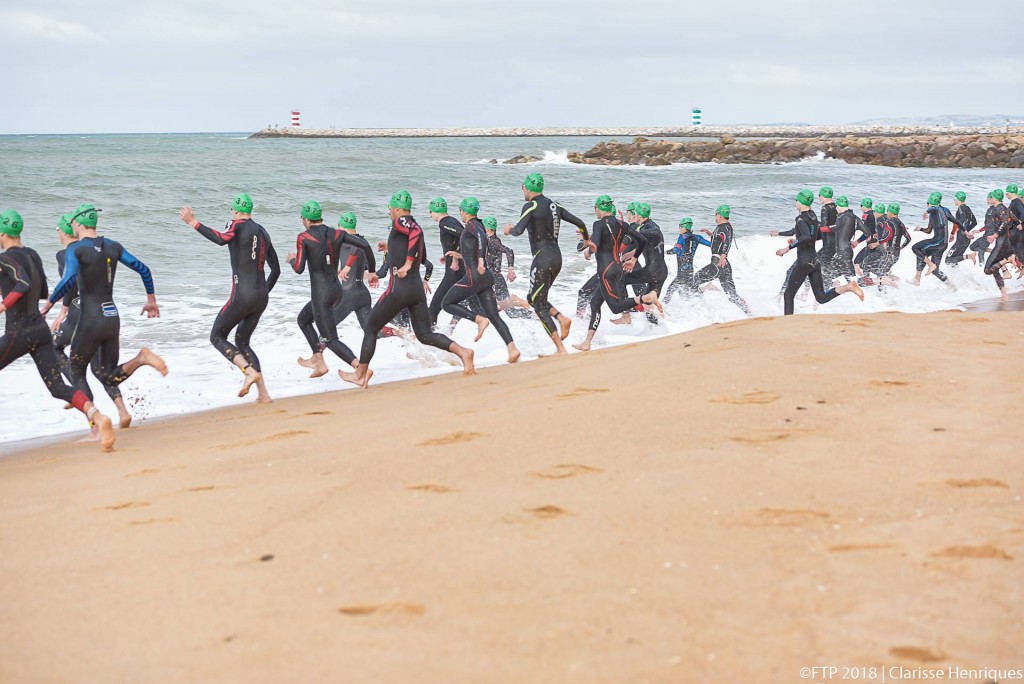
point(986, 150)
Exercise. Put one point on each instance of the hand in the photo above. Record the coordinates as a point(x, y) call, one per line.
point(151, 309)
point(774, 233)
point(670, 251)
point(722, 261)
point(853, 244)
point(589, 245)
point(621, 218)
point(782, 252)
point(706, 231)
point(480, 267)
point(511, 276)
point(372, 280)
point(426, 287)
point(187, 215)
point(343, 273)
point(43, 311)
point(629, 265)
point(453, 254)
point(382, 246)
point(790, 241)
point(4, 308)
point(290, 259)
point(507, 230)
point(404, 271)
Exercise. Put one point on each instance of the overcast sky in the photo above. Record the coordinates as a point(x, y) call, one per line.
point(226, 65)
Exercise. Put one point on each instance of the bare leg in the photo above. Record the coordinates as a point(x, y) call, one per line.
point(564, 325)
point(625, 319)
point(513, 352)
point(585, 345)
point(124, 418)
point(252, 377)
point(559, 347)
point(481, 326)
point(917, 279)
point(145, 358)
point(315, 363)
point(851, 287)
point(360, 377)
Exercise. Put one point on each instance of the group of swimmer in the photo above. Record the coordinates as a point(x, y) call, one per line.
point(628, 249)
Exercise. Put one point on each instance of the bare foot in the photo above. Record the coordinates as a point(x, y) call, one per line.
point(583, 347)
point(148, 358)
point(652, 298)
point(481, 325)
point(264, 399)
point(513, 353)
point(93, 436)
point(105, 430)
point(350, 376)
point(68, 406)
point(565, 324)
point(125, 421)
point(973, 256)
point(624, 319)
point(1003, 297)
point(252, 376)
point(467, 361)
point(931, 266)
point(315, 363)
point(855, 289)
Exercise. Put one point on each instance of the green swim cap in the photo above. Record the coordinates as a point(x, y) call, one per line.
point(631, 207)
point(934, 199)
point(894, 209)
point(242, 204)
point(866, 203)
point(1012, 189)
point(842, 201)
point(825, 192)
point(347, 221)
point(64, 225)
point(534, 182)
point(723, 211)
point(805, 197)
point(962, 196)
point(491, 223)
point(470, 205)
point(11, 223)
point(86, 215)
point(401, 200)
point(998, 194)
point(605, 203)
point(643, 209)
point(311, 211)
point(686, 223)
point(438, 205)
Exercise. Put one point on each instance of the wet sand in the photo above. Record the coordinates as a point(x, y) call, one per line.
point(731, 504)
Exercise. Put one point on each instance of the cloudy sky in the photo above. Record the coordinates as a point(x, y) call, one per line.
point(227, 65)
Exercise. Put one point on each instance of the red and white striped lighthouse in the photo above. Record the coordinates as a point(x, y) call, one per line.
point(295, 119)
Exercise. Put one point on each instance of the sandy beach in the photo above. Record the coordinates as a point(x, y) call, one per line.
point(816, 496)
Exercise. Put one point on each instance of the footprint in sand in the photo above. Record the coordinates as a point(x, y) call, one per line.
point(204, 488)
point(917, 653)
point(152, 521)
point(548, 512)
point(764, 438)
point(453, 438)
point(889, 383)
point(980, 482)
point(582, 392)
point(140, 473)
point(855, 323)
point(409, 609)
point(270, 438)
point(748, 398)
point(995, 343)
point(315, 413)
point(433, 488)
point(985, 551)
point(791, 517)
point(128, 504)
point(975, 319)
point(564, 470)
point(844, 548)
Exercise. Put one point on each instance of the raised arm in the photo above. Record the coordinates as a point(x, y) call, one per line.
point(215, 236)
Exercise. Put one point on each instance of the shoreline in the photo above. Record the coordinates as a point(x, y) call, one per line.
point(317, 535)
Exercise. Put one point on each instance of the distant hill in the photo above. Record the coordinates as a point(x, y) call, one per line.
point(970, 121)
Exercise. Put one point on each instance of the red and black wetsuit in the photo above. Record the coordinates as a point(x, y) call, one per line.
point(405, 243)
point(472, 247)
point(319, 248)
point(22, 285)
point(608, 234)
point(250, 249)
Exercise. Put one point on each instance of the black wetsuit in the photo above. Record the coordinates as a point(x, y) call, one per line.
point(542, 219)
point(402, 320)
point(608, 236)
point(356, 296)
point(319, 248)
point(473, 247)
point(495, 250)
point(807, 265)
point(405, 242)
point(933, 247)
point(91, 263)
point(845, 228)
point(451, 230)
point(995, 218)
point(721, 243)
point(22, 285)
point(66, 332)
point(877, 257)
point(684, 249)
point(827, 253)
point(655, 271)
point(250, 249)
point(963, 224)
point(1015, 227)
point(868, 228)
point(1001, 248)
point(901, 238)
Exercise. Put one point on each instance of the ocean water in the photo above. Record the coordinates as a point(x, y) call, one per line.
point(140, 181)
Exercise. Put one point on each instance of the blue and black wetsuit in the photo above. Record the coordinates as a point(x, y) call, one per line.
point(250, 249)
point(963, 223)
point(91, 263)
point(405, 243)
point(472, 247)
point(22, 285)
point(319, 247)
point(721, 243)
point(933, 247)
point(807, 265)
point(542, 220)
point(684, 249)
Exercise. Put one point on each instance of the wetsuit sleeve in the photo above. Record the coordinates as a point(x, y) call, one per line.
point(566, 215)
point(22, 284)
point(970, 220)
point(525, 218)
point(429, 265)
point(595, 235)
point(44, 288)
point(789, 233)
point(385, 265)
point(273, 262)
point(361, 243)
point(299, 265)
point(639, 241)
point(703, 240)
point(129, 260)
point(215, 236)
point(803, 234)
point(508, 253)
point(412, 231)
point(69, 279)
point(955, 220)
